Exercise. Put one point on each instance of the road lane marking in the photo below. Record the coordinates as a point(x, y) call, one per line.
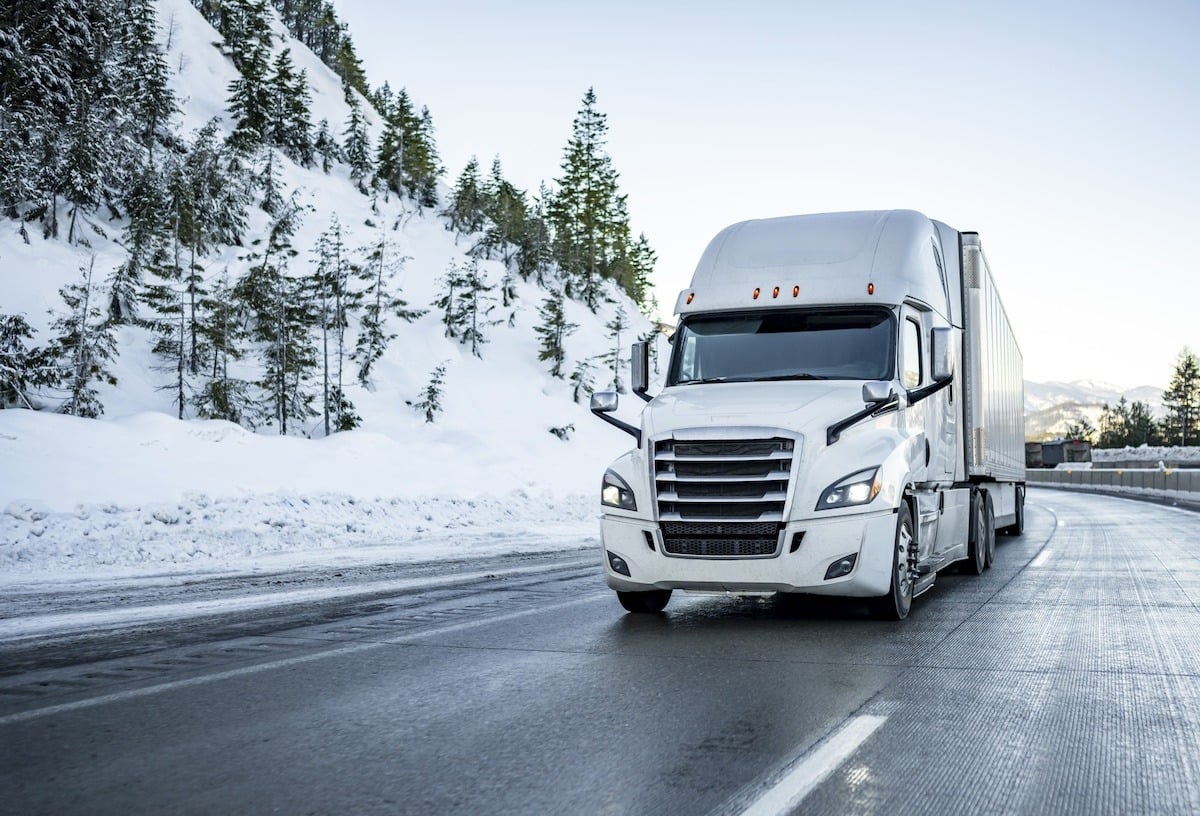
point(815, 766)
point(342, 651)
point(1042, 558)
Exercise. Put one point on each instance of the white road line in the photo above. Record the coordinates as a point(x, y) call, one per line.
point(813, 768)
point(1042, 558)
point(349, 649)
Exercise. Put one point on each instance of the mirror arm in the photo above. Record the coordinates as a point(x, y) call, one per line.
point(644, 395)
point(928, 391)
point(834, 432)
point(624, 426)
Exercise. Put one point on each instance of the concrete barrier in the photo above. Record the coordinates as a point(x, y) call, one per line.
point(1181, 485)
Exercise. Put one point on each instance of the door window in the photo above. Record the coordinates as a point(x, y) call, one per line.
point(910, 355)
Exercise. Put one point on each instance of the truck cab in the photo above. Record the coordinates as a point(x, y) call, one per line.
point(813, 434)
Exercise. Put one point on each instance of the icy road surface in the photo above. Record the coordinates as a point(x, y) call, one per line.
point(1064, 680)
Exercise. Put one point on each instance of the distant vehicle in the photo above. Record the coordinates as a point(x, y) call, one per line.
point(842, 415)
point(1057, 452)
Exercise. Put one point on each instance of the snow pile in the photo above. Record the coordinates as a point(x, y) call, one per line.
point(1146, 453)
point(155, 493)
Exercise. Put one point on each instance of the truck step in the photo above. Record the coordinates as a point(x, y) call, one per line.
point(924, 584)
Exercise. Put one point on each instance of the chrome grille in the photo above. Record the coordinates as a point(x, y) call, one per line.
point(721, 540)
point(724, 479)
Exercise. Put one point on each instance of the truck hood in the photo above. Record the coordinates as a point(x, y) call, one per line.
point(800, 405)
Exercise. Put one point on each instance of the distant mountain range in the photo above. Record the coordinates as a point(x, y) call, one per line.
point(1051, 406)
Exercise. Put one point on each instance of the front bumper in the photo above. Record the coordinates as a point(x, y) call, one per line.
point(826, 540)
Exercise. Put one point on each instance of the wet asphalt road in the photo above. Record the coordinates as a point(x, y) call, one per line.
point(1064, 680)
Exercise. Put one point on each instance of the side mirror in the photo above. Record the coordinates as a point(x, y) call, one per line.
point(604, 402)
point(942, 348)
point(878, 391)
point(639, 365)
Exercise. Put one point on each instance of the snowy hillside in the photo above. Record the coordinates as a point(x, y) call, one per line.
point(1050, 407)
point(511, 448)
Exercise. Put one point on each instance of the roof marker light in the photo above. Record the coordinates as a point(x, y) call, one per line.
point(795, 291)
point(775, 292)
point(756, 291)
point(870, 288)
point(691, 296)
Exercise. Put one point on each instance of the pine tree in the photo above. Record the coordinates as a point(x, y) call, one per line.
point(582, 382)
point(1143, 429)
point(288, 126)
point(430, 401)
point(282, 317)
point(465, 211)
point(505, 207)
point(449, 303)
point(587, 213)
point(84, 346)
point(358, 148)
point(380, 265)
point(553, 330)
point(618, 324)
point(335, 301)
point(248, 43)
point(1182, 400)
point(534, 253)
point(22, 367)
point(143, 82)
point(223, 396)
point(476, 304)
point(327, 147)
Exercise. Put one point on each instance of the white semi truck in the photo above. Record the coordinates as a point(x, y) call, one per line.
point(842, 415)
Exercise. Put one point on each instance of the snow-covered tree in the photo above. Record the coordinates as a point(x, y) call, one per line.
point(334, 300)
point(84, 345)
point(358, 148)
point(380, 264)
point(618, 324)
point(22, 367)
point(429, 402)
point(553, 330)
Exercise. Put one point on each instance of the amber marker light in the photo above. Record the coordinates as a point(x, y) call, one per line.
point(795, 291)
point(870, 288)
point(775, 292)
point(756, 291)
point(691, 297)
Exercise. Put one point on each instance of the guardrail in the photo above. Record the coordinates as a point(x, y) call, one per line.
point(1163, 484)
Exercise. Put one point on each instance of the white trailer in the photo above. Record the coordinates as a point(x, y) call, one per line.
point(842, 415)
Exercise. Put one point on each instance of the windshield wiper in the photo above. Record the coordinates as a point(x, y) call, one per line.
point(703, 380)
point(789, 377)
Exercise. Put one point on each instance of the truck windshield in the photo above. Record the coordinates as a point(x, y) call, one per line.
point(842, 344)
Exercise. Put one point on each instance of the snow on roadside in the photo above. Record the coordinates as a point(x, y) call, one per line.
point(150, 494)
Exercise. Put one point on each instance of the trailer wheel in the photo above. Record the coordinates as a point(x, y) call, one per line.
point(1018, 525)
point(649, 602)
point(977, 539)
point(989, 527)
point(896, 604)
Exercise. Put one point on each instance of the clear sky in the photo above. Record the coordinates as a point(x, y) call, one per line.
point(1067, 134)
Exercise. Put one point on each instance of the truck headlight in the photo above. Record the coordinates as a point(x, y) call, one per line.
point(857, 488)
point(615, 492)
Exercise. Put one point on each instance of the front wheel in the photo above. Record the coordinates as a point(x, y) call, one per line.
point(650, 602)
point(896, 604)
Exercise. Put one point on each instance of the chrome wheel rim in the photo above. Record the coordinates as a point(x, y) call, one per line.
point(903, 539)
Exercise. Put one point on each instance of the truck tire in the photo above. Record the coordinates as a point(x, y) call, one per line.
point(895, 605)
point(649, 602)
point(990, 526)
point(1018, 526)
point(977, 536)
